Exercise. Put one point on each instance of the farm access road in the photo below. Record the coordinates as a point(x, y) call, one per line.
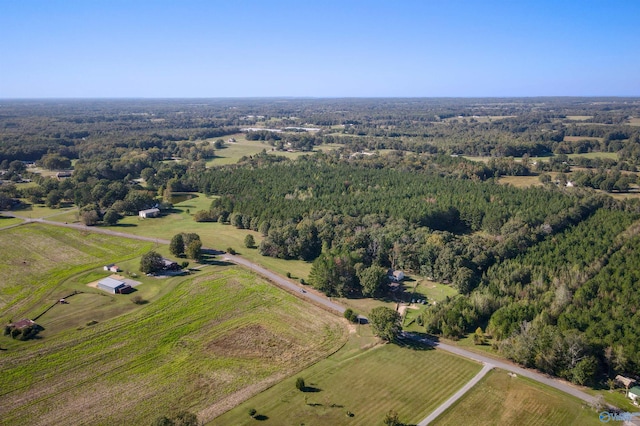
point(323, 301)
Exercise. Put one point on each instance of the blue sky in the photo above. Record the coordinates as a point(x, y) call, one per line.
point(348, 48)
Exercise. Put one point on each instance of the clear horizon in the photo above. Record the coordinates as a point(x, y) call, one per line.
point(285, 49)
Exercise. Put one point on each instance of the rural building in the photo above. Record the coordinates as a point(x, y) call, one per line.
point(112, 267)
point(395, 276)
point(634, 394)
point(66, 174)
point(149, 213)
point(114, 286)
point(169, 265)
point(626, 381)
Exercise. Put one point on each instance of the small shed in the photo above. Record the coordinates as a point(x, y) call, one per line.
point(154, 212)
point(112, 267)
point(113, 286)
point(634, 394)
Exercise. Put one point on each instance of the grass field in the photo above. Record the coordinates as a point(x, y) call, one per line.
point(520, 181)
point(210, 342)
point(634, 121)
point(213, 235)
point(232, 152)
point(366, 381)
point(499, 399)
point(8, 221)
point(34, 269)
point(579, 117)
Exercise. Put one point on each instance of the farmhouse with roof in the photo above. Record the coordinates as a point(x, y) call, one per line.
point(154, 212)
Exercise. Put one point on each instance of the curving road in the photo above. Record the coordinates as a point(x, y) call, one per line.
point(323, 301)
point(285, 283)
point(531, 374)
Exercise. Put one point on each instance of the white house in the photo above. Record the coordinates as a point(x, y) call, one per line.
point(154, 212)
point(634, 394)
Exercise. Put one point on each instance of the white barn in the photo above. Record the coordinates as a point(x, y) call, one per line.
point(112, 285)
point(149, 213)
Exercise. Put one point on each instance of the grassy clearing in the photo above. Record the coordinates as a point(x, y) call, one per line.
point(414, 287)
point(9, 221)
point(232, 152)
point(213, 235)
point(367, 381)
point(520, 181)
point(501, 399)
point(40, 210)
point(634, 121)
point(617, 398)
point(46, 256)
point(579, 117)
point(608, 155)
point(581, 138)
point(206, 341)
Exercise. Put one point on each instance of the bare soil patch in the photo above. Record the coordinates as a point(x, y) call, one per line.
point(254, 341)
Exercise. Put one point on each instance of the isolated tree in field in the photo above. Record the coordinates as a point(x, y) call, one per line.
point(151, 262)
point(385, 322)
point(194, 250)
point(249, 241)
point(176, 246)
point(391, 418)
point(300, 384)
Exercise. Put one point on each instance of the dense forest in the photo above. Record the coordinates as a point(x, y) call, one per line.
point(548, 270)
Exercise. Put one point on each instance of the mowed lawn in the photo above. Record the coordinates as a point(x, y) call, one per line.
point(499, 399)
point(213, 235)
point(367, 382)
point(209, 343)
point(37, 258)
point(233, 151)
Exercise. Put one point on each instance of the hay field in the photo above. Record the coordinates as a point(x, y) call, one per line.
point(37, 258)
point(366, 381)
point(501, 399)
point(211, 341)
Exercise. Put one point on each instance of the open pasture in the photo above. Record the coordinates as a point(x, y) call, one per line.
point(213, 235)
point(211, 341)
point(233, 151)
point(38, 258)
point(501, 399)
point(366, 381)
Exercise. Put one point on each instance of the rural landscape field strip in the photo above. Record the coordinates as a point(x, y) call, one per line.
point(164, 352)
point(501, 398)
point(45, 256)
point(367, 383)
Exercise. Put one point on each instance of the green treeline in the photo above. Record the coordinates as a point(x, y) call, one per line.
point(562, 296)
